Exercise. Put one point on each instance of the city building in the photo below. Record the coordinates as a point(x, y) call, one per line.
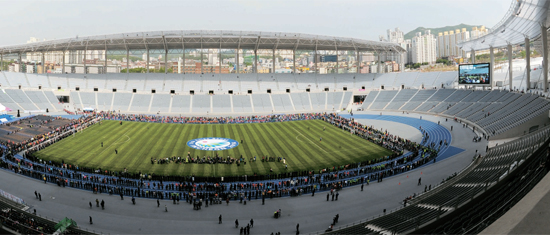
point(398, 37)
point(424, 48)
point(447, 42)
point(408, 54)
point(476, 33)
point(192, 67)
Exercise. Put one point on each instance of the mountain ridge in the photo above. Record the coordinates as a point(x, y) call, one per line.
point(435, 31)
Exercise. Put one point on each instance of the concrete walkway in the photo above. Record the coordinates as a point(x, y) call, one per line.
point(313, 214)
point(529, 215)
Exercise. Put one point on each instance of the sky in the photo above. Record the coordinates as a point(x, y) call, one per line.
point(363, 19)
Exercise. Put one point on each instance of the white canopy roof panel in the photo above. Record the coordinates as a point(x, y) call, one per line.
point(522, 20)
point(193, 39)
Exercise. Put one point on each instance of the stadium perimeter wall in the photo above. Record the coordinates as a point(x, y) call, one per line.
point(532, 160)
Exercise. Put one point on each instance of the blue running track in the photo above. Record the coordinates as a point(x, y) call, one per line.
point(436, 132)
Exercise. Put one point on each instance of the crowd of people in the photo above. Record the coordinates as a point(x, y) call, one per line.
point(23, 223)
point(43, 140)
point(197, 159)
point(215, 189)
point(383, 138)
point(205, 120)
point(210, 191)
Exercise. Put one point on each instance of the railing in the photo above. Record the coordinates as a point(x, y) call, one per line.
point(24, 229)
point(466, 196)
point(473, 193)
point(526, 185)
point(448, 182)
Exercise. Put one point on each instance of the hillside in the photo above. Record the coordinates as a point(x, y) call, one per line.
point(435, 31)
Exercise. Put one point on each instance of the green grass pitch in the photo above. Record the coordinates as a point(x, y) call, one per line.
point(138, 142)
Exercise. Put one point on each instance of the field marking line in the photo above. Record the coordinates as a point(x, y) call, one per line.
point(116, 143)
point(298, 139)
point(88, 127)
point(310, 141)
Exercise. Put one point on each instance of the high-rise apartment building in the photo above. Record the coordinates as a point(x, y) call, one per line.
point(424, 48)
point(398, 37)
point(447, 42)
point(408, 46)
point(56, 57)
point(478, 32)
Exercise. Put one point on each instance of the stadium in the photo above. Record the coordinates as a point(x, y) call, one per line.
point(292, 132)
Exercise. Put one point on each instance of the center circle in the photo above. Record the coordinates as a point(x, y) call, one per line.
point(212, 143)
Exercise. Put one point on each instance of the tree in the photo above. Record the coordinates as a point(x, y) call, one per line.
point(120, 57)
point(144, 70)
point(443, 61)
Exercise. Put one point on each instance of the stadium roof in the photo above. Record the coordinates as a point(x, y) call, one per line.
point(166, 40)
point(522, 20)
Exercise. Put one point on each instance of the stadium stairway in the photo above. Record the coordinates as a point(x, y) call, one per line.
point(292, 103)
point(151, 102)
point(27, 79)
point(131, 100)
point(50, 102)
point(3, 78)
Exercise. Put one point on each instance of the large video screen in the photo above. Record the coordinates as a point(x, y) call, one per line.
point(474, 74)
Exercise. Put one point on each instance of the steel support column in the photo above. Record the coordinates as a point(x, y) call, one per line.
point(492, 65)
point(166, 61)
point(255, 61)
point(316, 59)
point(293, 61)
point(510, 74)
point(85, 53)
point(402, 62)
point(357, 62)
point(183, 58)
point(220, 60)
point(63, 62)
point(20, 63)
point(337, 62)
point(127, 61)
point(202, 60)
point(379, 63)
point(273, 62)
point(147, 63)
point(43, 63)
point(472, 57)
point(105, 62)
point(544, 31)
point(527, 64)
point(237, 62)
point(1, 61)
